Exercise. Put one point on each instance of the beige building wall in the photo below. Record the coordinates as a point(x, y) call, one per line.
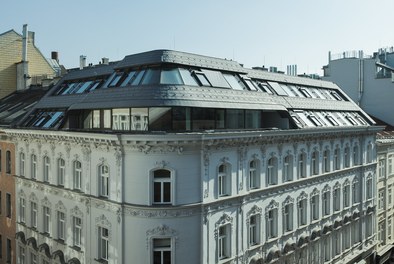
point(11, 53)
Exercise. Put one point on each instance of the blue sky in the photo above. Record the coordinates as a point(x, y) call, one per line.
point(252, 32)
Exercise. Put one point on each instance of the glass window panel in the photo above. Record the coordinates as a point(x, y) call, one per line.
point(96, 118)
point(203, 118)
point(234, 118)
point(252, 119)
point(152, 76)
point(95, 86)
point(128, 78)
point(167, 192)
point(170, 76)
point(233, 81)
point(277, 88)
point(167, 257)
point(181, 118)
point(107, 118)
point(157, 192)
point(216, 78)
point(187, 77)
point(55, 119)
point(115, 80)
point(87, 122)
point(202, 79)
point(251, 85)
point(220, 118)
point(160, 118)
point(84, 86)
point(121, 119)
point(138, 77)
point(139, 119)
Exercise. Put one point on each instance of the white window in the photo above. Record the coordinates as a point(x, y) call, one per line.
point(47, 168)
point(272, 171)
point(356, 232)
point(22, 210)
point(288, 218)
point(77, 231)
point(302, 165)
point(369, 224)
point(33, 166)
point(326, 202)
point(22, 164)
point(356, 191)
point(381, 199)
point(302, 211)
point(382, 168)
point(103, 243)
point(326, 249)
point(390, 164)
point(77, 175)
point(336, 243)
point(162, 187)
point(389, 228)
point(288, 168)
point(162, 251)
point(33, 258)
point(272, 223)
point(346, 237)
point(315, 207)
point(346, 157)
point(61, 171)
point(356, 156)
point(253, 175)
point(254, 230)
point(326, 161)
point(369, 153)
point(224, 242)
point(390, 194)
point(337, 159)
point(337, 199)
point(47, 219)
point(61, 225)
point(315, 163)
point(22, 255)
point(381, 231)
point(104, 180)
point(369, 188)
point(33, 207)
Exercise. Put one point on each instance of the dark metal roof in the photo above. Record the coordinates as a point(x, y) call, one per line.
point(16, 105)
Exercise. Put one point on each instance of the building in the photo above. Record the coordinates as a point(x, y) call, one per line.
point(368, 80)
point(22, 63)
point(171, 157)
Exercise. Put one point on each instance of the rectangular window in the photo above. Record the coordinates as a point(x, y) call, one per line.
point(8, 205)
point(222, 181)
point(104, 180)
point(390, 194)
point(390, 164)
point(346, 196)
point(326, 203)
point(315, 207)
point(33, 214)
point(77, 175)
point(47, 219)
point(61, 225)
point(223, 242)
point(389, 228)
point(22, 255)
point(288, 218)
point(61, 172)
point(337, 199)
point(272, 223)
point(302, 205)
point(381, 199)
point(162, 251)
point(9, 250)
point(77, 231)
point(47, 168)
point(33, 258)
point(382, 168)
point(253, 175)
point(22, 209)
point(103, 243)
point(254, 230)
point(162, 187)
point(326, 161)
point(33, 166)
point(8, 162)
point(22, 164)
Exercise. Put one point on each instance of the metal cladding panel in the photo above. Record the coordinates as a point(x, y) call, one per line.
point(320, 104)
point(89, 72)
point(176, 57)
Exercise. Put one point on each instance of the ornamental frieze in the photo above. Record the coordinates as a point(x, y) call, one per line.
point(151, 213)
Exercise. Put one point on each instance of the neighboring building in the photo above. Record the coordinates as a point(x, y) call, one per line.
point(368, 80)
point(385, 202)
point(171, 157)
point(22, 64)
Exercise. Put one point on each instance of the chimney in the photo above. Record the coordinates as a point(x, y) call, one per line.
point(105, 61)
point(82, 62)
point(22, 70)
point(55, 56)
point(31, 36)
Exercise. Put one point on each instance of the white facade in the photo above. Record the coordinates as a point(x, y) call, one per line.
point(248, 218)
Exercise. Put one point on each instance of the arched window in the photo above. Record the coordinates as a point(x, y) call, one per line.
point(254, 179)
point(47, 168)
point(77, 179)
point(272, 171)
point(104, 180)
point(61, 171)
point(315, 163)
point(162, 187)
point(287, 171)
point(224, 180)
point(302, 165)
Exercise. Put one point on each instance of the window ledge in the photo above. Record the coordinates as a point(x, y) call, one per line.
point(76, 248)
point(60, 241)
point(101, 260)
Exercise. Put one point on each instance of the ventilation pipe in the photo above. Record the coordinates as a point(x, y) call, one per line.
point(82, 62)
point(22, 70)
